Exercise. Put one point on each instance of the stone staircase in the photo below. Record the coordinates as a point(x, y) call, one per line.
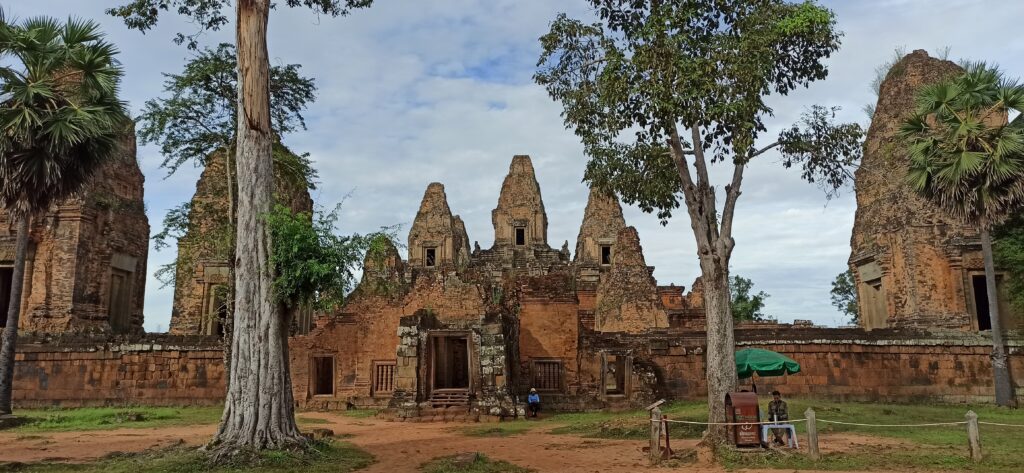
point(447, 398)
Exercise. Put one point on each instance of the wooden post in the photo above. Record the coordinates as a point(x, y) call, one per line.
point(655, 436)
point(973, 436)
point(812, 435)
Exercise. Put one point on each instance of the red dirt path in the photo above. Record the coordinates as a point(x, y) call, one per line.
point(398, 447)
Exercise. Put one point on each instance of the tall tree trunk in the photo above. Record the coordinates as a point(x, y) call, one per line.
point(259, 409)
point(720, 356)
point(1000, 369)
point(10, 335)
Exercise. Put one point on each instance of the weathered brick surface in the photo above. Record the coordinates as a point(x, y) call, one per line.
point(627, 297)
point(203, 252)
point(161, 370)
point(924, 258)
point(77, 244)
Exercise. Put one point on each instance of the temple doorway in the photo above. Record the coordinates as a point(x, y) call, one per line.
point(450, 362)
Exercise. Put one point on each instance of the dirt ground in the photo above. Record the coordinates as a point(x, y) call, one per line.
point(398, 447)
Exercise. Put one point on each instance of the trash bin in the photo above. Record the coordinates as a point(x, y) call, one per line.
point(743, 407)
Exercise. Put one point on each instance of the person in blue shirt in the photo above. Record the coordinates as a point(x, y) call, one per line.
point(533, 400)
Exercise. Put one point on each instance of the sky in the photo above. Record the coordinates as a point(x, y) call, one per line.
point(415, 92)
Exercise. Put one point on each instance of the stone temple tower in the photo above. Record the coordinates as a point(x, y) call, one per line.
point(437, 239)
point(520, 222)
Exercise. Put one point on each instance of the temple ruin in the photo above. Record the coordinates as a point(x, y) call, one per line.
point(472, 330)
point(913, 265)
point(86, 265)
point(202, 268)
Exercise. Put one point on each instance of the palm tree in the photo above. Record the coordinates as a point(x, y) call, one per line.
point(966, 158)
point(60, 119)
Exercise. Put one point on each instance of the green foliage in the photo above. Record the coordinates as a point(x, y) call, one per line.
point(962, 156)
point(312, 264)
point(59, 109)
point(1008, 251)
point(628, 81)
point(199, 115)
point(321, 457)
point(844, 295)
point(210, 15)
point(478, 463)
point(746, 306)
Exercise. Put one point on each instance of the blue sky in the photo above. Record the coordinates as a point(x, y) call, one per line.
point(415, 92)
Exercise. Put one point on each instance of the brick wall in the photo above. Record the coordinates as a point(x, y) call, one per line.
point(152, 371)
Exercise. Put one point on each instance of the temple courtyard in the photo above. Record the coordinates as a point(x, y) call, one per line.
point(132, 439)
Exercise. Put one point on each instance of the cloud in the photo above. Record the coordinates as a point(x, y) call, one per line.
point(415, 92)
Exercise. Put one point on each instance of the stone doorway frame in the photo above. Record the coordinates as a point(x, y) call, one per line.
point(431, 360)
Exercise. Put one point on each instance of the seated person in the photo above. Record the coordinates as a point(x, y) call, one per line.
point(778, 412)
point(533, 400)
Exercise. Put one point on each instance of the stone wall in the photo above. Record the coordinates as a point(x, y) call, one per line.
point(86, 265)
point(847, 364)
point(156, 370)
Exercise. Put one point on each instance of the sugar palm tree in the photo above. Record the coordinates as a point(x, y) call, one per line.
point(969, 160)
point(60, 119)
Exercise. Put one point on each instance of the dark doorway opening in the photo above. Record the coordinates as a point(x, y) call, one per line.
point(6, 278)
point(520, 236)
point(606, 254)
point(981, 303)
point(451, 362)
point(431, 256)
point(323, 375)
point(119, 302)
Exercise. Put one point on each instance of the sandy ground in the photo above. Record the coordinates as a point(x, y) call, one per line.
point(398, 447)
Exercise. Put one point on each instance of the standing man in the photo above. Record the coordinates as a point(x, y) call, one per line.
point(778, 411)
point(533, 400)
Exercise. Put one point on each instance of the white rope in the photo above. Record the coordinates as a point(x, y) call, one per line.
point(729, 423)
point(1000, 425)
point(892, 425)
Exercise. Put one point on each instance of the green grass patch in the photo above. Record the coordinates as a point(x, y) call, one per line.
point(499, 429)
point(105, 418)
point(633, 425)
point(360, 413)
point(470, 463)
point(931, 448)
point(323, 457)
point(311, 420)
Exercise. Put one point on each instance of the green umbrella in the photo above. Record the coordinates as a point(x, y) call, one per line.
point(751, 361)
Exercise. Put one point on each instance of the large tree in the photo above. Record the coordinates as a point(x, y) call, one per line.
point(61, 119)
point(658, 91)
point(967, 159)
point(259, 408)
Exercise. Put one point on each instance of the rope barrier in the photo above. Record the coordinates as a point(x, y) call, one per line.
point(934, 424)
point(731, 423)
point(892, 425)
point(1000, 425)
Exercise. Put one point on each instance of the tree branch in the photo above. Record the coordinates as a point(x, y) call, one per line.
point(763, 150)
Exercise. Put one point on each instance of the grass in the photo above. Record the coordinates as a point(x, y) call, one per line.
point(325, 457)
point(105, 418)
point(630, 425)
point(359, 413)
point(470, 463)
point(311, 420)
point(933, 448)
